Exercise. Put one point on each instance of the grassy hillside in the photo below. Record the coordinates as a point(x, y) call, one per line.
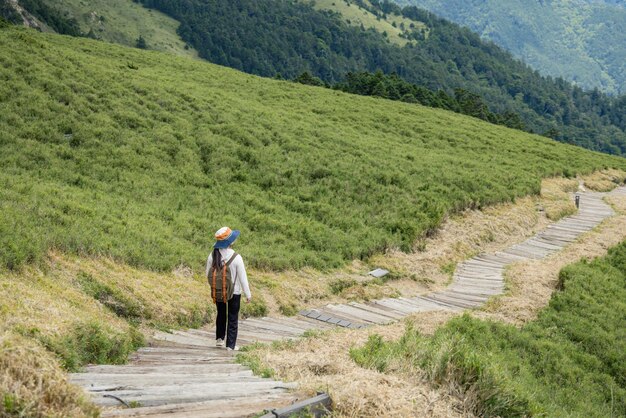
point(251, 35)
point(141, 156)
point(582, 40)
point(571, 361)
point(123, 21)
point(395, 26)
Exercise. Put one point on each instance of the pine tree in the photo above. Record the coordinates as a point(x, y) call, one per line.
point(141, 43)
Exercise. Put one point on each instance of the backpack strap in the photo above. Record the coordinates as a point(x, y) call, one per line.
point(231, 259)
point(228, 263)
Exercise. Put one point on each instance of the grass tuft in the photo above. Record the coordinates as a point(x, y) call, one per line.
point(90, 343)
point(32, 384)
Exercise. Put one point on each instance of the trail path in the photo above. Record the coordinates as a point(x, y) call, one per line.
point(182, 373)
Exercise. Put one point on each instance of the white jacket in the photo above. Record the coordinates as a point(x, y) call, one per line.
point(236, 267)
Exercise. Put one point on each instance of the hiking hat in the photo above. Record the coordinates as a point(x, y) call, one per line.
point(225, 236)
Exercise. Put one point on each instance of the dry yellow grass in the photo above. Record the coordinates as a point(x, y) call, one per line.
point(32, 384)
point(323, 363)
point(51, 300)
point(603, 181)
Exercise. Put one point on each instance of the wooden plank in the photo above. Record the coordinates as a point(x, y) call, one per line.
point(338, 315)
point(227, 408)
point(374, 303)
point(381, 312)
point(155, 379)
point(317, 406)
point(431, 305)
point(274, 327)
point(439, 305)
point(396, 306)
point(452, 302)
point(296, 323)
point(175, 369)
point(463, 296)
point(359, 314)
point(181, 395)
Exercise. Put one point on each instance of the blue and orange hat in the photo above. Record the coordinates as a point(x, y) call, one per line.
point(225, 236)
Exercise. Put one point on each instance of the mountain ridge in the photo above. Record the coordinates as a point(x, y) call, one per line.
point(582, 40)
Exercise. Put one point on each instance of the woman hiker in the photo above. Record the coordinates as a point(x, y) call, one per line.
point(225, 262)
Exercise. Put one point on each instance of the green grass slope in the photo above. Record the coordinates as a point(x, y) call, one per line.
point(141, 156)
point(570, 362)
point(123, 21)
point(395, 26)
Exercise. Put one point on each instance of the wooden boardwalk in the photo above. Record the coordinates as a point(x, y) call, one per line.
point(182, 373)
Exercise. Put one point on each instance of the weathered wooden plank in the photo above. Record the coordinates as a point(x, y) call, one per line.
point(463, 296)
point(274, 327)
point(435, 305)
point(174, 369)
point(339, 315)
point(226, 408)
point(396, 306)
point(181, 395)
point(453, 301)
point(296, 323)
point(381, 312)
point(155, 378)
point(359, 314)
point(374, 303)
point(319, 405)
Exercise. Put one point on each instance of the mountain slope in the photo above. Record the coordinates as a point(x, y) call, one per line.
point(583, 40)
point(397, 27)
point(286, 38)
point(118, 21)
point(141, 155)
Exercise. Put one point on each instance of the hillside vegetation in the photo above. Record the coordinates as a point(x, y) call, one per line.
point(397, 28)
point(141, 156)
point(582, 41)
point(252, 36)
point(119, 21)
point(571, 361)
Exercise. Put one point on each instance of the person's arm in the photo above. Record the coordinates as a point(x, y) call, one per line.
point(243, 278)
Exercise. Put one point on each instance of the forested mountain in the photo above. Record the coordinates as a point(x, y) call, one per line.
point(284, 38)
point(581, 40)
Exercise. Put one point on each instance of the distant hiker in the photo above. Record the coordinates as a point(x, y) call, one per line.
point(227, 278)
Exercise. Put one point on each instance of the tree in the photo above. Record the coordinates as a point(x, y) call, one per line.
point(307, 78)
point(141, 43)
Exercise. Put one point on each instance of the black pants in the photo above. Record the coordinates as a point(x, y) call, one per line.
point(233, 320)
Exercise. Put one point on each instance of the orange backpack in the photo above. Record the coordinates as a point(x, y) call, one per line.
point(222, 283)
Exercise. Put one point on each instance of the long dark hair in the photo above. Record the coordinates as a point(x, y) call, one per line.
point(217, 258)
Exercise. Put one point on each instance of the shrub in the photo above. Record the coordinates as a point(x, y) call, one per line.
point(339, 285)
point(93, 343)
point(256, 308)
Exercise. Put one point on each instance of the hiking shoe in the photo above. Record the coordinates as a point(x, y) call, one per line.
point(219, 342)
point(233, 349)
